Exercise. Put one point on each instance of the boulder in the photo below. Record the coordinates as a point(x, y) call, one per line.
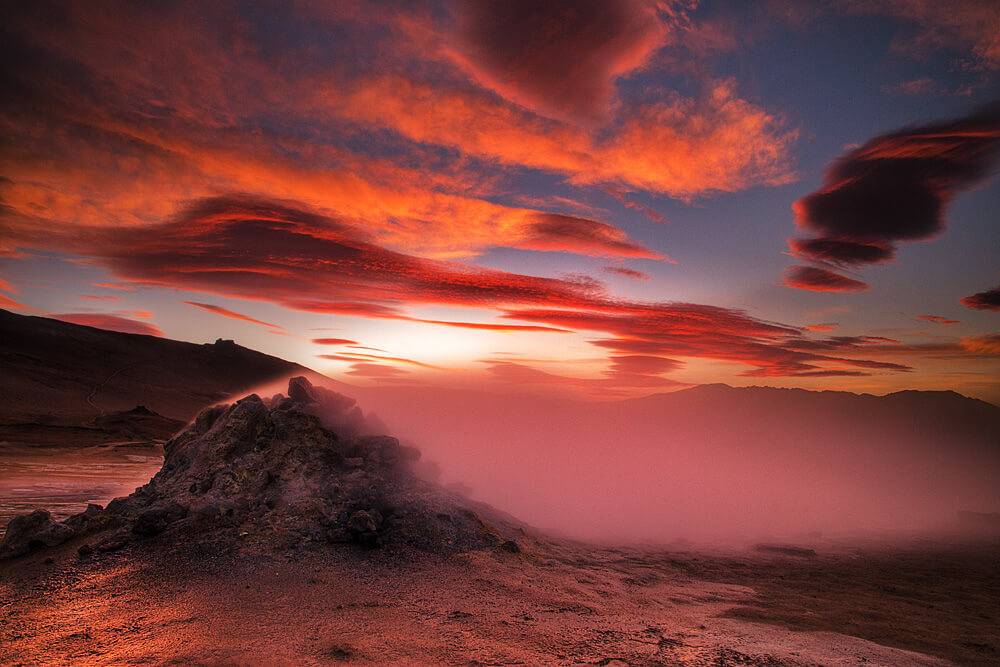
point(29, 532)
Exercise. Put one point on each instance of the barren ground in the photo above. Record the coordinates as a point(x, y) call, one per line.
point(556, 603)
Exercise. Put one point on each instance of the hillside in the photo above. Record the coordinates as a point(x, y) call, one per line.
point(66, 374)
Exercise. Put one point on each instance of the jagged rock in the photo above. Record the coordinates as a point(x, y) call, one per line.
point(284, 473)
point(84, 519)
point(300, 391)
point(29, 532)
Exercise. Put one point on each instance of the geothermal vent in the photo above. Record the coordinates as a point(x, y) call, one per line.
point(289, 472)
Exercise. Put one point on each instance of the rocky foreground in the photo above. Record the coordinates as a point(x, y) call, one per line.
point(290, 472)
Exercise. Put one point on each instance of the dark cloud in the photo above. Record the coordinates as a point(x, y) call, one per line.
point(821, 280)
point(839, 251)
point(894, 188)
point(988, 300)
point(559, 58)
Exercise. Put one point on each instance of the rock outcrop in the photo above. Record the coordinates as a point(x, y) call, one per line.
point(288, 472)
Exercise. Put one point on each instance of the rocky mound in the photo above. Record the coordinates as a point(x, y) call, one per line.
point(288, 472)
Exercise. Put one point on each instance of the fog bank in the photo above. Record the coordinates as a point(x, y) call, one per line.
point(709, 463)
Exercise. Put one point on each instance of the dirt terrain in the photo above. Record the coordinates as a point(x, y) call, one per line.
point(552, 603)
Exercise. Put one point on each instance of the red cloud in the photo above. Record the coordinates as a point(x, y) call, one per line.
point(275, 251)
point(937, 319)
point(232, 314)
point(987, 300)
point(110, 322)
point(821, 280)
point(127, 127)
point(627, 272)
point(358, 357)
point(377, 371)
point(481, 326)
point(825, 326)
point(8, 302)
point(334, 341)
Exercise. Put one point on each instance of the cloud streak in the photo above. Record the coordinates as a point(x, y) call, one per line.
point(110, 323)
point(232, 314)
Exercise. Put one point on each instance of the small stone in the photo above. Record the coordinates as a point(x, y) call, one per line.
point(364, 525)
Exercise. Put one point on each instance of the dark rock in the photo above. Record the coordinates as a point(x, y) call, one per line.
point(300, 390)
point(113, 542)
point(510, 546)
point(85, 551)
point(86, 519)
point(364, 526)
point(155, 521)
point(28, 532)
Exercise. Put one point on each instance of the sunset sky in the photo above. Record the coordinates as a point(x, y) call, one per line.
point(597, 198)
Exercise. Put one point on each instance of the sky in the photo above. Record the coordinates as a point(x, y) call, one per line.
point(603, 199)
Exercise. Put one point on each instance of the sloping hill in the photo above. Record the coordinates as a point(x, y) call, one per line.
point(65, 374)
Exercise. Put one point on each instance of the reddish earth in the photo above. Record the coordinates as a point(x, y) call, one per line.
point(554, 603)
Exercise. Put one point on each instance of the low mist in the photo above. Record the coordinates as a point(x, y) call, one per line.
point(708, 464)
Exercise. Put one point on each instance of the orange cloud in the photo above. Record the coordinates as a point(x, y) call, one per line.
point(680, 147)
point(334, 341)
